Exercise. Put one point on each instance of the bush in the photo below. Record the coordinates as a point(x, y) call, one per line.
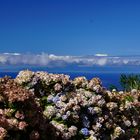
point(20, 115)
point(39, 105)
point(130, 82)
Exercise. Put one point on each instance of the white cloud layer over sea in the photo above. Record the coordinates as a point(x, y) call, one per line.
point(52, 60)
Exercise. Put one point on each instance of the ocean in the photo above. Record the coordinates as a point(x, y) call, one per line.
point(107, 79)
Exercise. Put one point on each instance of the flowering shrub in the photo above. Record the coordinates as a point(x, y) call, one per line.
point(20, 115)
point(39, 105)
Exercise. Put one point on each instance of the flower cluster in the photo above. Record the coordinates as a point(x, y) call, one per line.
point(20, 115)
point(43, 83)
point(68, 109)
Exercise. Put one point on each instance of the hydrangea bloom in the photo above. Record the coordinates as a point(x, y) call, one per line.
point(85, 131)
point(55, 99)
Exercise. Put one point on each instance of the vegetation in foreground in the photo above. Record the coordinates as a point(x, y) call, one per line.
point(41, 106)
point(130, 82)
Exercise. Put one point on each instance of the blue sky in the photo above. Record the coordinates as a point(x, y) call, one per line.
point(70, 27)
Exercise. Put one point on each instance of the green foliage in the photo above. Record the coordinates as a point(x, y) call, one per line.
point(129, 98)
point(129, 82)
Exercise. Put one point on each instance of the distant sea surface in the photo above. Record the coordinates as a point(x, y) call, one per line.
point(107, 78)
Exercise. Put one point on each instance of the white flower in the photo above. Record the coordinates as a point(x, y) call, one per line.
point(92, 138)
point(134, 91)
point(88, 94)
point(24, 76)
point(135, 123)
point(112, 105)
point(66, 136)
point(128, 105)
point(127, 123)
point(114, 90)
point(50, 98)
point(58, 115)
point(80, 81)
point(60, 104)
point(68, 113)
point(49, 111)
point(63, 98)
point(73, 130)
point(97, 110)
point(101, 102)
point(97, 88)
point(61, 127)
point(118, 131)
point(121, 92)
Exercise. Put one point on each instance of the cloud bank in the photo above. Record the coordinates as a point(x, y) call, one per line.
point(52, 60)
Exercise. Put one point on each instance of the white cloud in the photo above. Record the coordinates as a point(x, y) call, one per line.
point(11, 53)
point(2, 59)
point(52, 60)
point(102, 61)
point(99, 54)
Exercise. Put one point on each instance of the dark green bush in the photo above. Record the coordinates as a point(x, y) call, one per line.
point(129, 82)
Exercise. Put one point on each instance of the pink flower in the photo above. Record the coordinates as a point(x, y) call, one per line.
point(22, 125)
point(3, 133)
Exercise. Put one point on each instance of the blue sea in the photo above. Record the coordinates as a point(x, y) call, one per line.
point(108, 79)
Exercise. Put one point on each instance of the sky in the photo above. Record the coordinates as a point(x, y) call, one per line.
point(70, 27)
